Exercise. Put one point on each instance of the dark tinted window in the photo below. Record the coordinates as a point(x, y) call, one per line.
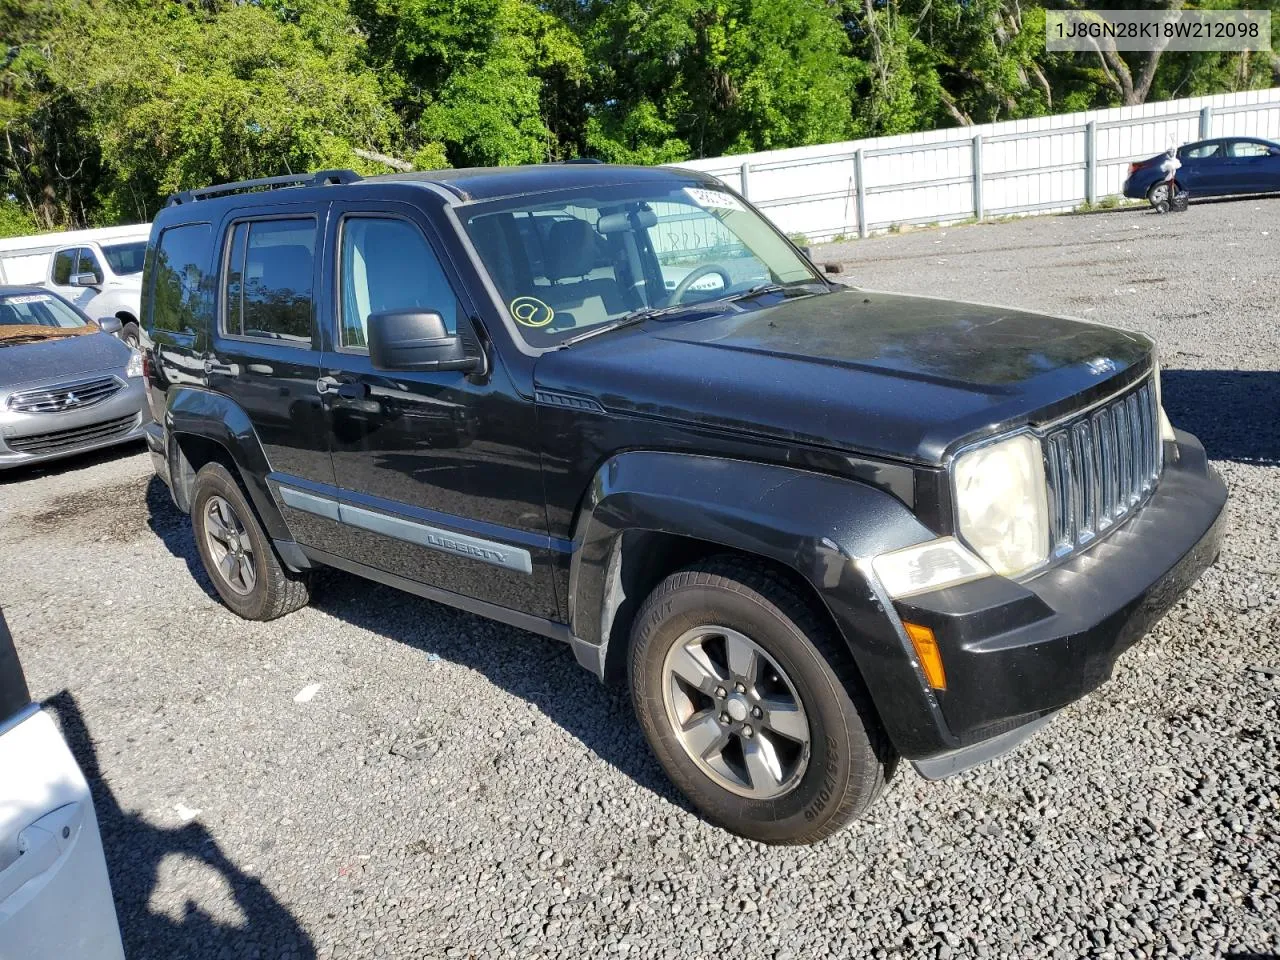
point(64, 264)
point(181, 299)
point(89, 264)
point(125, 258)
point(269, 277)
point(389, 265)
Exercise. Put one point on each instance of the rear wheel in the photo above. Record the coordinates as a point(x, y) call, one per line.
point(1159, 196)
point(237, 555)
point(752, 704)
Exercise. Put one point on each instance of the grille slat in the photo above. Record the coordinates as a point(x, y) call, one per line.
point(65, 396)
point(68, 439)
point(1100, 467)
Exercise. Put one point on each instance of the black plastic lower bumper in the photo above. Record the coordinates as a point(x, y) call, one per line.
point(1014, 652)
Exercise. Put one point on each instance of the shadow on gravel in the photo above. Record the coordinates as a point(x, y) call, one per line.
point(1233, 412)
point(540, 671)
point(173, 527)
point(135, 850)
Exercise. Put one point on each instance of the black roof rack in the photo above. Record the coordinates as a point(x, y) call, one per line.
point(322, 179)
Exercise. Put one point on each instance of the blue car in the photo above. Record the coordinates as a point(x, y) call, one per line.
point(1211, 168)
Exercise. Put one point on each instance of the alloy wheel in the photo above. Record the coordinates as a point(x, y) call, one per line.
point(735, 712)
point(229, 545)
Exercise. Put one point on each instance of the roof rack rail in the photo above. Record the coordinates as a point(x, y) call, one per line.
point(584, 160)
point(323, 178)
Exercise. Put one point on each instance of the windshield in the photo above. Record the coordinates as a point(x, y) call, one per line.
point(572, 260)
point(125, 258)
point(35, 316)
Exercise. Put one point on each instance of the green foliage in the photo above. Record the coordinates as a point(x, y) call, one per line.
point(106, 106)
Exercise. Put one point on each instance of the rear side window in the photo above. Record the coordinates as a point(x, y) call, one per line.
point(269, 276)
point(64, 264)
point(1205, 151)
point(182, 300)
point(387, 264)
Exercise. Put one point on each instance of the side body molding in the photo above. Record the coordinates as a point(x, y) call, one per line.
point(211, 416)
point(822, 527)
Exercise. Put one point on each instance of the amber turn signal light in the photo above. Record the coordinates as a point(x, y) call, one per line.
point(926, 647)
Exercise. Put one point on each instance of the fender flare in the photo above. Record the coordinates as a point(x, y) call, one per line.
point(196, 412)
point(823, 528)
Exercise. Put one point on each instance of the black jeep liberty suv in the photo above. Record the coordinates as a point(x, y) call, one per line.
point(815, 528)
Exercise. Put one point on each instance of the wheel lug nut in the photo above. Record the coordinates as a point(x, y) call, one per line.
point(741, 688)
point(724, 718)
point(720, 692)
point(746, 731)
point(757, 712)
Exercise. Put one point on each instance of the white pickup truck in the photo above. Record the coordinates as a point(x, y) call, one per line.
point(100, 271)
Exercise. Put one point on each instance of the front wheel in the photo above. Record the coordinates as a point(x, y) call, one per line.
point(752, 705)
point(130, 334)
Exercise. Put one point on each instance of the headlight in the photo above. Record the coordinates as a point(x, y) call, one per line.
point(134, 369)
point(1166, 428)
point(927, 566)
point(1002, 508)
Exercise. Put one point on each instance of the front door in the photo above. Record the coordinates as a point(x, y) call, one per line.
point(265, 352)
point(438, 475)
point(69, 263)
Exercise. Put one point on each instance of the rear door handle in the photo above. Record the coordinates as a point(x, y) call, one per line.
point(39, 847)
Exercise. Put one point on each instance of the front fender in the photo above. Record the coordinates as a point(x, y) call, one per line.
point(195, 412)
point(822, 527)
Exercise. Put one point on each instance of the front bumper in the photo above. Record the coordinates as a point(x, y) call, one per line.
point(1016, 652)
point(30, 438)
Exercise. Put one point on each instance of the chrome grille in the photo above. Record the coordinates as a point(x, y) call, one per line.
point(65, 396)
point(1101, 466)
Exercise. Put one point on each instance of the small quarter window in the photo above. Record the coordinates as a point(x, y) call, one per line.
point(269, 276)
point(181, 300)
point(387, 264)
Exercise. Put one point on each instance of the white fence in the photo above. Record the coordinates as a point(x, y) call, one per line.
point(1019, 166)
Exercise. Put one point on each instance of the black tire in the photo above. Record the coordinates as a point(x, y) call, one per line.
point(1160, 193)
point(849, 758)
point(131, 335)
point(275, 591)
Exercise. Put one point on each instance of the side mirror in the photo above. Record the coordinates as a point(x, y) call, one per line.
point(84, 280)
point(415, 340)
point(832, 268)
point(111, 325)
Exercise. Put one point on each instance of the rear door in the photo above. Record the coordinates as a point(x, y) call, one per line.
point(55, 898)
point(265, 353)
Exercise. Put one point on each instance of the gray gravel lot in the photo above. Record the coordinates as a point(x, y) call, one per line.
point(458, 788)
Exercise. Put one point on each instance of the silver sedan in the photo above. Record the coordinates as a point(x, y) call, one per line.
point(66, 384)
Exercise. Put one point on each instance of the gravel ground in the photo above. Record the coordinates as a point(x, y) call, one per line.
point(379, 776)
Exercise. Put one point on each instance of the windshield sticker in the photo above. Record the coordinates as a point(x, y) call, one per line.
point(29, 298)
point(531, 312)
point(713, 199)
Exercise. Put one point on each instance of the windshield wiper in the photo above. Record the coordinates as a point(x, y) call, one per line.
point(629, 320)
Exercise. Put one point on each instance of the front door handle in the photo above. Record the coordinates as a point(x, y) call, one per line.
point(346, 389)
point(39, 847)
point(213, 366)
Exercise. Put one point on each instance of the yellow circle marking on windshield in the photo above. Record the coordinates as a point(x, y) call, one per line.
point(531, 312)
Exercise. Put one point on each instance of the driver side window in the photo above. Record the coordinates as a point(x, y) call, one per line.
point(387, 264)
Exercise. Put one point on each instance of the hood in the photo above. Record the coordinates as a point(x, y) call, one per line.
point(903, 377)
point(60, 358)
